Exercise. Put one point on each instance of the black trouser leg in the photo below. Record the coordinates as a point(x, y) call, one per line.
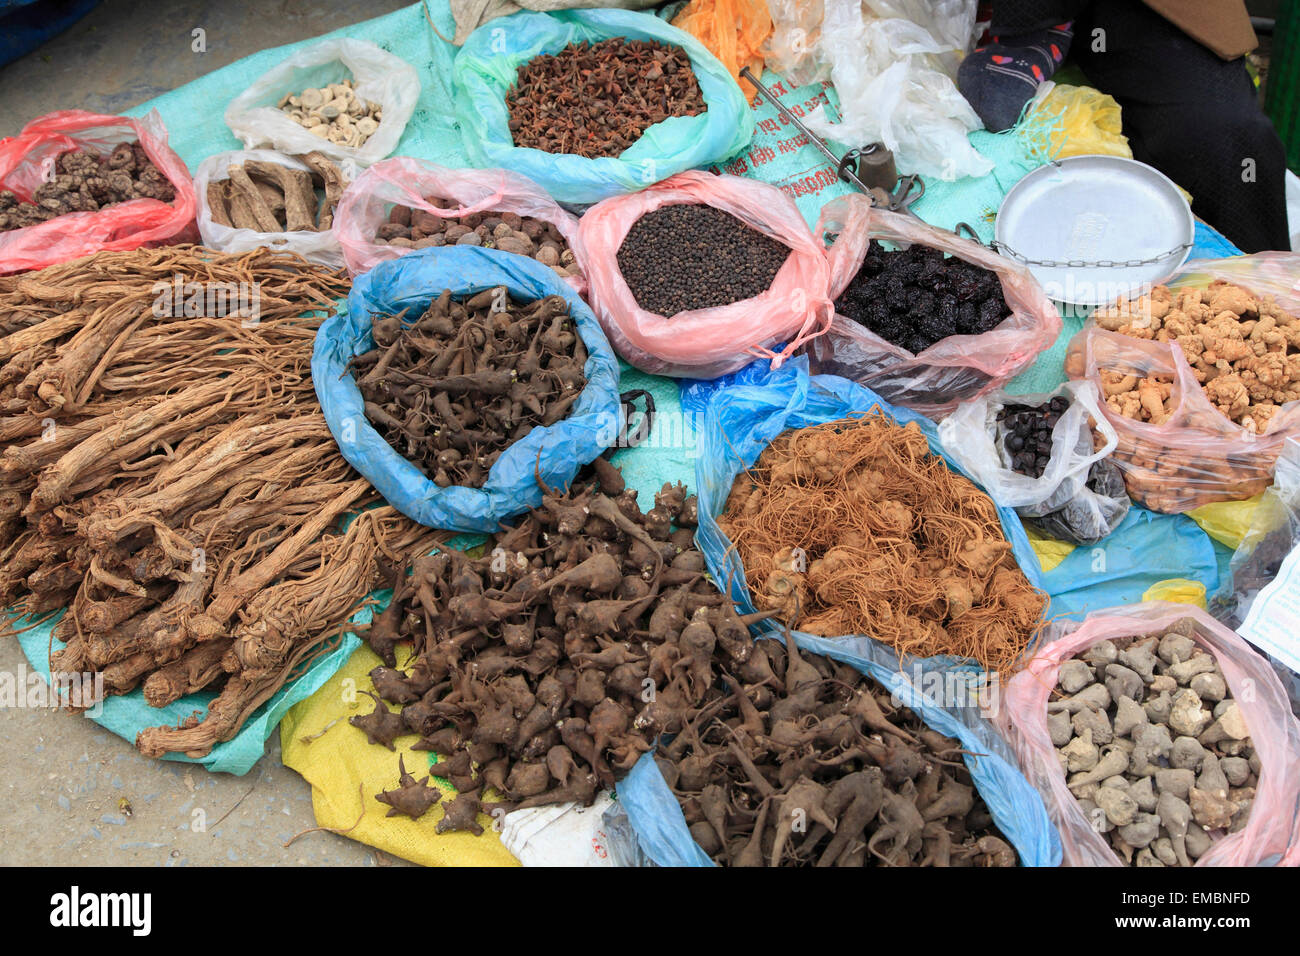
point(1193, 116)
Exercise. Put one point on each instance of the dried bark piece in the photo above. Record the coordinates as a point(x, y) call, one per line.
point(243, 186)
point(295, 187)
point(329, 177)
point(219, 204)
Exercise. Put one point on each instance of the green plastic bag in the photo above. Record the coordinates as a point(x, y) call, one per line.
point(486, 69)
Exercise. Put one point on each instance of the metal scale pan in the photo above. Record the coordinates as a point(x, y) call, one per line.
point(1092, 229)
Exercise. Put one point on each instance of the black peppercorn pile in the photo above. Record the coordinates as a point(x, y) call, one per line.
point(691, 256)
point(917, 296)
point(1028, 438)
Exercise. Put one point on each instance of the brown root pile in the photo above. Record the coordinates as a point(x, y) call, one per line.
point(853, 527)
point(170, 480)
point(466, 380)
point(793, 759)
point(545, 668)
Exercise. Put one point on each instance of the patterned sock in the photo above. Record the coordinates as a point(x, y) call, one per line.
point(999, 78)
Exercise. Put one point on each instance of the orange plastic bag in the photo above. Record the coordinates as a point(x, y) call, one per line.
point(952, 370)
point(1271, 835)
point(1198, 456)
point(733, 30)
point(27, 161)
point(408, 181)
point(706, 343)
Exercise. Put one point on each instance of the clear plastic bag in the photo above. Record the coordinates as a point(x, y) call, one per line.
point(894, 77)
point(319, 247)
point(793, 48)
point(706, 343)
point(1274, 533)
point(953, 370)
point(408, 181)
point(1099, 507)
point(1271, 835)
point(1197, 456)
point(377, 75)
point(1064, 497)
point(27, 161)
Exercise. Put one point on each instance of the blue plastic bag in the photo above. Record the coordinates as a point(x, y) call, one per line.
point(1015, 805)
point(486, 69)
point(411, 283)
point(1145, 549)
point(741, 414)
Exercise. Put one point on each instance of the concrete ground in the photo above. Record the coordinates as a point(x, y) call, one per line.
point(68, 783)
point(124, 53)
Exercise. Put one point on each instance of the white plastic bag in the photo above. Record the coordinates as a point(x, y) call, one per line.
point(973, 436)
point(894, 77)
point(1079, 497)
point(565, 834)
point(319, 247)
point(377, 75)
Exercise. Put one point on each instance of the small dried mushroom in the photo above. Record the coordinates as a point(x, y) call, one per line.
point(536, 238)
point(84, 181)
point(334, 113)
point(1153, 746)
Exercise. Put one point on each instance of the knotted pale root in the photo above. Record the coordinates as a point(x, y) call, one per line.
point(853, 527)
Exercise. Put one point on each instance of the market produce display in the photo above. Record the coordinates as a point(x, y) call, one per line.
point(269, 197)
point(378, 375)
point(792, 759)
point(522, 235)
point(1027, 433)
point(689, 256)
point(918, 296)
point(596, 99)
point(334, 113)
point(1154, 747)
point(1244, 350)
point(854, 527)
point(468, 379)
point(913, 331)
point(170, 480)
point(85, 181)
point(532, 665)
point(1197, 377)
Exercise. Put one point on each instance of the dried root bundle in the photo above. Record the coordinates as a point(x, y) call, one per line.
point(454, 390)
point(853, 527)
point(170, 479)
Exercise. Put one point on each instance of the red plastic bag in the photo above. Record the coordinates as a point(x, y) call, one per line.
point(706, 343)
point(1272, 833)
point(1198, 456)
point(952, 370)
point(27, 161)
point(405, 181)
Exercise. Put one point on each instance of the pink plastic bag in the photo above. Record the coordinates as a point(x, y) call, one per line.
point(952, 370)
point(27, 161)
point(706, 343)
point(1198, 456)
point(1273, 829)
point(405, 181)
